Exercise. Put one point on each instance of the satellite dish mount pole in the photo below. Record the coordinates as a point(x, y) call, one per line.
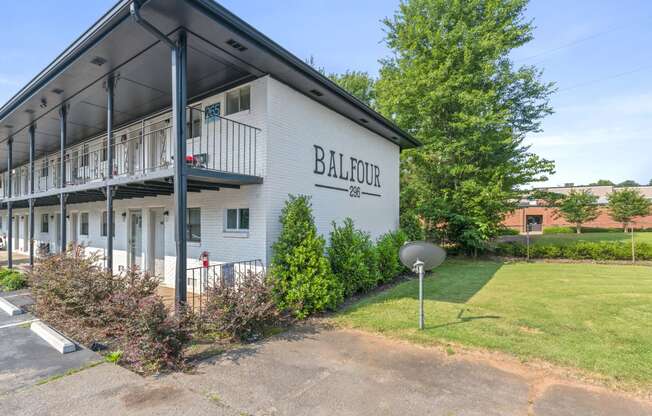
point(418, 268)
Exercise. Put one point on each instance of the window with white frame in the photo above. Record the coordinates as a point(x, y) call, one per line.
point(104, 224)
point(194, 225)
point(83, 223)
point(238, 100)
point(45, 223)
point(237, 219)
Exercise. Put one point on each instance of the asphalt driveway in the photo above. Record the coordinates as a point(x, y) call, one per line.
point(25, 358)
point(315, 371)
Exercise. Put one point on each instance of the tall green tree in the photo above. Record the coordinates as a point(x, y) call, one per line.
point(626, 204)
point(451, 84)
point(359, 84)
point(629, 183)
point(579, 207)
point(602, 182)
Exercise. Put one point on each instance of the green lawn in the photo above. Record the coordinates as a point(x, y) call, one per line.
point(591, 317)
point(643, 237)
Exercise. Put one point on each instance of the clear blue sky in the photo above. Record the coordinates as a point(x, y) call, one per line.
point(598, 53)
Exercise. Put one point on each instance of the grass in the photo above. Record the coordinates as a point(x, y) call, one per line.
point(591, 317)
point(642, 237)
point(68, 373)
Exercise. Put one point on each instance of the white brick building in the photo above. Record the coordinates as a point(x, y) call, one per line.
point(260, 124)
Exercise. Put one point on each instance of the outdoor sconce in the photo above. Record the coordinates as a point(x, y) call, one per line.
point(166, 213)
point(124, 216)
point(67, 217)
point(51, 217)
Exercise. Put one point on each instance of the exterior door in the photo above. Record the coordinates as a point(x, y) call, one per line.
point(16, 230)
point(156, 246)
point(73, 228)
point(26, 233)
point(57, 232)
point(135, 237)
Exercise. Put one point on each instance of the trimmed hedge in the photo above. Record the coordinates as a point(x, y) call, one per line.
point(582, 250)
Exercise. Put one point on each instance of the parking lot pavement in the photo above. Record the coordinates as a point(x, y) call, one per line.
point(25, 358)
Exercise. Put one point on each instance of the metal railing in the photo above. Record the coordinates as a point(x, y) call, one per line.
point(200, 280)
point(218, 144)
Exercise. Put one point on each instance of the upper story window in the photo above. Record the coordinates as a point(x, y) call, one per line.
point(44, 168)
point(238, 100)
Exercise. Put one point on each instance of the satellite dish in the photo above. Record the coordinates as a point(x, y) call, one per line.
point(430, 254)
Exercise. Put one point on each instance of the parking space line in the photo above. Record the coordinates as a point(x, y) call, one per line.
point(29, 321)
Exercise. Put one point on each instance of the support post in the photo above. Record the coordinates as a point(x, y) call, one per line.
point(10, 211)
point(32, 134)
point(63, 115)
point(179, 101)
point(110, 85)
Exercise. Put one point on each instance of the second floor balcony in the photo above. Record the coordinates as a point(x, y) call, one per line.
point(145, 150)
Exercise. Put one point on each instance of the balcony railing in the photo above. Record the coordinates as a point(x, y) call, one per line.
point(218, 144)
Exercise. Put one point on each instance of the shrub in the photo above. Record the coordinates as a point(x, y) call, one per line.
point(302, 277)
point(153, 339)
point(508, 231)
point(353, 258)
point(77, 296)
point(581, 250)
point(560, 230)
point(11, 280)
point(387, 248)
point(242, 313)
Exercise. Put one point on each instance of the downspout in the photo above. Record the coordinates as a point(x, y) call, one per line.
point(134, 9)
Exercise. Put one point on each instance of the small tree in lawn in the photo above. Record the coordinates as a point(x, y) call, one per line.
point(579, 207)
point(303, 280)
point(625, 204)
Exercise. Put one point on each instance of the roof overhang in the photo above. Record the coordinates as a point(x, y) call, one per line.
point(116, 44)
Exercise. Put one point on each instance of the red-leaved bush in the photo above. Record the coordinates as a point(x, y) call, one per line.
point(76, 295)
point(241, 312)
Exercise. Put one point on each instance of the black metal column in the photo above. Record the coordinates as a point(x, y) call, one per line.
point(32, 133)
point(110, 84)
point(10, 211)
point(179, 102)
point(63, 115)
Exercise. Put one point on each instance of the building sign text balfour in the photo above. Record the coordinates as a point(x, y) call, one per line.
point(351, 169)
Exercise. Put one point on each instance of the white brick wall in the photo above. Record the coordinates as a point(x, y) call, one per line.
point(295, 123)
point(291, 124)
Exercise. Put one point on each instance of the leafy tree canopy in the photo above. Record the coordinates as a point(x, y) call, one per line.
point(359, 84)
point(578, 207)
point(629, 182)
point(626, 204)
point(451, 84)
point(602, 182)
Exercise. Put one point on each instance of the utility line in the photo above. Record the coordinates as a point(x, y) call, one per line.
point(609, 77)
point(577, 41)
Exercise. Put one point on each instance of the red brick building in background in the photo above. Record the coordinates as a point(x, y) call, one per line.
point(540, 216)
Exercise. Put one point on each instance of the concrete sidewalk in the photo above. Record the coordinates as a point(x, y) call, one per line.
point(312, 371)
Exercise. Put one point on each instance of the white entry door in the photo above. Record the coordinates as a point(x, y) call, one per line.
point(156, 244)
point(135, 238)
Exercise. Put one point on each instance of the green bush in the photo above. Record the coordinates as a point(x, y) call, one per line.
point(353, 258)
point(11, 280)
point(572, 230)
point(581, 250)
point(301, 274)
point(508, 231)
point(559, 230)
point(387, 248)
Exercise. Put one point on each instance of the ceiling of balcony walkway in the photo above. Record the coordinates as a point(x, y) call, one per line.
point(118, 45)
